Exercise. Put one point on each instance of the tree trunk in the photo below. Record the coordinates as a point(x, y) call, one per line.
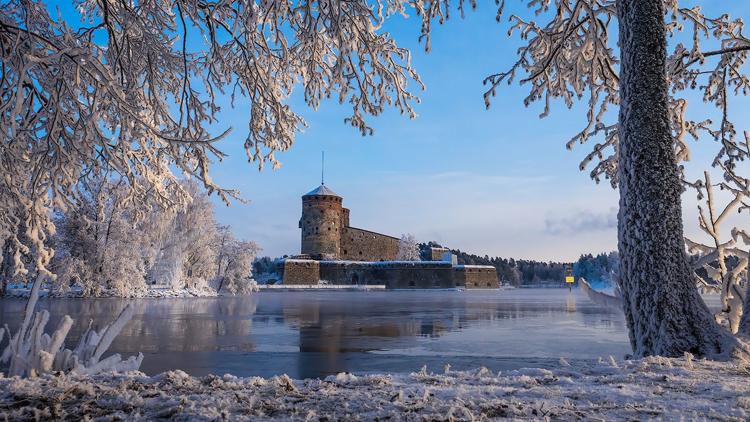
point(745, 320)
point(664, 311)
point(7, 266)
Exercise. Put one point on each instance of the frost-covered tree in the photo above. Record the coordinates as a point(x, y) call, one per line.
point(105, 248)
point(135, 87)
point(238, 257)
point(186, 243)
point(570, 53)
point(408, 248)
point(101, 246)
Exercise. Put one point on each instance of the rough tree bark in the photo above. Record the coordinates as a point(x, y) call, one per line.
point(745, 321)
point(664, 311)
point(6, 267)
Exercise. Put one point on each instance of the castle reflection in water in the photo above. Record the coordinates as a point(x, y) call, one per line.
point(308, 334)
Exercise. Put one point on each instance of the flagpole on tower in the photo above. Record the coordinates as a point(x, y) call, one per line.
point(322, 167)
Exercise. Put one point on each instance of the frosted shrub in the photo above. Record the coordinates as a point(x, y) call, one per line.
point(237, 278)
point(31, 352)
point(408, 248)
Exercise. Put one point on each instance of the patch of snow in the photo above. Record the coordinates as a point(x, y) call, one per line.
point(650, 388)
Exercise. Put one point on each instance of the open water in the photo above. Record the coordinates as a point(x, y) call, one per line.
point(317, 333)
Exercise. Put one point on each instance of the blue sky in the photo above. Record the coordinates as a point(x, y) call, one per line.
point(497, 182)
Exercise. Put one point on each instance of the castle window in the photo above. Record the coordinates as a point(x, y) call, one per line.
point(411, 283)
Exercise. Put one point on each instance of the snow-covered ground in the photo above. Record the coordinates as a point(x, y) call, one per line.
point(652, 388)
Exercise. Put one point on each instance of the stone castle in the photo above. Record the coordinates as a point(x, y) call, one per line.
point(326, 233)
point(334, 252)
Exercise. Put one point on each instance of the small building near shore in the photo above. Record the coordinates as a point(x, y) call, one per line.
point(334, 252)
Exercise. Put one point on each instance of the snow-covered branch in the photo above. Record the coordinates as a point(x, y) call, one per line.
point(32, 352)
point(133, 90)
point(724, 261)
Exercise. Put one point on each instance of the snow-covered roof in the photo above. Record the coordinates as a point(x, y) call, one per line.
point(321, 190)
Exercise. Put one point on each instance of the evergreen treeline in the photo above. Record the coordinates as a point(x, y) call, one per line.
point(601, 268)
point(516, 272)
point(266, 265)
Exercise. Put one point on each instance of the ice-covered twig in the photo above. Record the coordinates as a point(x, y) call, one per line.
point(31, 352)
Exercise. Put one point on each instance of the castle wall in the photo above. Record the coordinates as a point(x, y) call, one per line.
point(436, 254)
point(391, 274)
point(394, 274)
point(321, 226)
point(475, 276)
point(345, 217)
point(301, 271)
point(364, 245)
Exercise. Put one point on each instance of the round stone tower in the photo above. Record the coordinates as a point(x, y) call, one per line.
point(321, 223)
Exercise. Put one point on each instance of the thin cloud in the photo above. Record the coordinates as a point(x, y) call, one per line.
point(581, 222)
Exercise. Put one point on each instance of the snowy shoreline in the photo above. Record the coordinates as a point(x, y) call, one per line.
point(151, 293)
point(612, 390)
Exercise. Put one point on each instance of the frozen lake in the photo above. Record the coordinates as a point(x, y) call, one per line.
point(312, 334)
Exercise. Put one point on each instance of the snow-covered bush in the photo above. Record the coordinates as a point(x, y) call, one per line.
point(107, 246)
point(31, 352)
point(236, 279)
point(102, 246)
point(408, 248)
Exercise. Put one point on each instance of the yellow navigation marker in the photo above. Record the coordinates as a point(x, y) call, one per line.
point(569, 279)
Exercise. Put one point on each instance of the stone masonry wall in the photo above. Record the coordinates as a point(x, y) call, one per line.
point(475, 276)
point(364, 245)
point(301, 271)
point(321, 226)
point(436, 254)
point(394, 275)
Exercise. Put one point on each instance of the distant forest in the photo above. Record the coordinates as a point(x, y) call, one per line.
point(520, 272)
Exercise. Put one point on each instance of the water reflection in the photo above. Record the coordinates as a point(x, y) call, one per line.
point(318, 333)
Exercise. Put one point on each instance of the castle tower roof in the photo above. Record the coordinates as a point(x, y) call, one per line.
point(321, 190)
